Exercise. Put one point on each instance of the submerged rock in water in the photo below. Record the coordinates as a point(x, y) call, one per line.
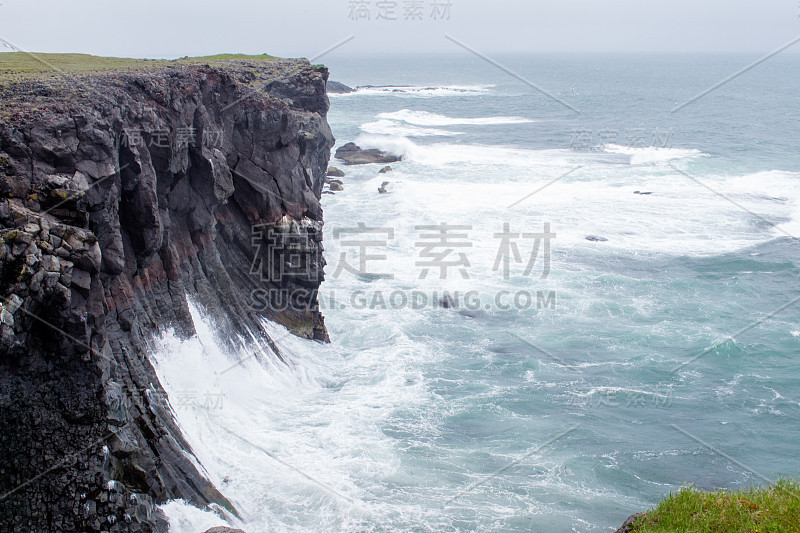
point(336, 185)
point(384, 170)
point(385, 188)
point(642, 192)
point(352, 154)
point(596, 238)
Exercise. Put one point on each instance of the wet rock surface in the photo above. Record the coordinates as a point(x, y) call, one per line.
point(336, 87)
point(119, 198)
point(335, 172)
point(352, 154)
point(628, 525)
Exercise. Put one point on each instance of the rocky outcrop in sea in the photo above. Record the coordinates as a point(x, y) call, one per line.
point(336, 87)
point(352, 154)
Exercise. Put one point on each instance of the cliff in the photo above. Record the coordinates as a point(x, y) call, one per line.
point(126, 188)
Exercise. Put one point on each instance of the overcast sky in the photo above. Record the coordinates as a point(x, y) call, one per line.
point(305, 28)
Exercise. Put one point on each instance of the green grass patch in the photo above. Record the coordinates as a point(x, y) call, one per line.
point(774, 509)
point(19, 66)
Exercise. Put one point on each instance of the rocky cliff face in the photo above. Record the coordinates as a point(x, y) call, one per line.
point(121, 194)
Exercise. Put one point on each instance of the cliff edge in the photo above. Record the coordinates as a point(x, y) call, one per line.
point(128, 187)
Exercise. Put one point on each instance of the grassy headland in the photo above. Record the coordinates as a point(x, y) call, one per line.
point(774, 509)
point(31, 83)
point(19, 66)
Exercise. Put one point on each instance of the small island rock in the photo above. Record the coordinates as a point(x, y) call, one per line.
point(352, 154)
point(335, 87)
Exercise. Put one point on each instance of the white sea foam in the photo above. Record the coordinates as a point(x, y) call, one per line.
point(392, 127)
point(501, 157)
point(421, 91)
point(304, 449)
point(653, 154)
point(772, 195)
point(440, 154)
point(295, 448)
point(186, 518)
point(769, 194)
point(407, 123)
point(469, 183)
point(347, 413)
point(424, 118)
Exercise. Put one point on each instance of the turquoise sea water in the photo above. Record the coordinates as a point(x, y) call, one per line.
point(662, 356)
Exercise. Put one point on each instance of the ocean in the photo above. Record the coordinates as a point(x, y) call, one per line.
point(577, 297)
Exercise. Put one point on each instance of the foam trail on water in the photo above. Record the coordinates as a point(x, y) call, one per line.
point(392, 127)
point(677, 216)
point(418, 91)
point(653, 154)
point(499, 158)
point(445, 153)
point(425, 118)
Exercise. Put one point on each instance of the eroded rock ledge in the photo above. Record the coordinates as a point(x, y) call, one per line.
point(120, 194)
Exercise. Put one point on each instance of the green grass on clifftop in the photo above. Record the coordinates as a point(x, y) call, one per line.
point(16, 66)
point(775, 509)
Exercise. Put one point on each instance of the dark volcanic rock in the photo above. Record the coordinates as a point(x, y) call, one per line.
point(221, 529)
point(627, 526)
point(352, 154)
point(384, 170)
point(335, 172)
point(447, 302)
point(117, 203)
point(340, 88)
